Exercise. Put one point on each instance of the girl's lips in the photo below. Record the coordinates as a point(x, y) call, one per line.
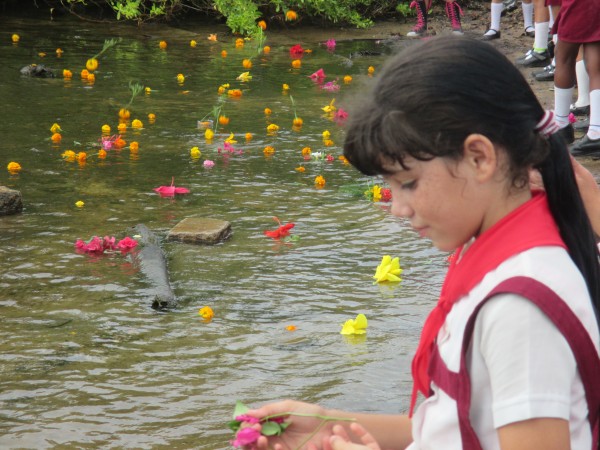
point(421, 231)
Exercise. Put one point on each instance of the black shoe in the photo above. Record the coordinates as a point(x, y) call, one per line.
point(534, 59)
point(546, 74)
point(509, 5)
point(585, 146)
point(567, 133)
point(582, 125)
point(490, 35)
point(551, 48)
point(529, 31)
point(580, 110)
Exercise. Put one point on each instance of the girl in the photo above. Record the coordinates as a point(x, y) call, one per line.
point(508, 359)
point(453, 11)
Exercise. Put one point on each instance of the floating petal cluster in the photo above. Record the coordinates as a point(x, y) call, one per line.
point(355, 326)
point(388, 270)
point(99, 245)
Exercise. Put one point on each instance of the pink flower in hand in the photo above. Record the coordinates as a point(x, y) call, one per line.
point(247, 418)
point(127, 244)
point(246, 436)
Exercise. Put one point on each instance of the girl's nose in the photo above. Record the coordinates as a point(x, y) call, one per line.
point(400, 207)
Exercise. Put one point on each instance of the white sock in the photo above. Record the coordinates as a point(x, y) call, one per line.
point(594, 129)
point(551, 17)
point(583, 84)
point(527, 14)
point(562, 105)
point(541, 35)
point(496, 13)
point(554, 37)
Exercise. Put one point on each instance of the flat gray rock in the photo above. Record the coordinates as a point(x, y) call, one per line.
point(11, 201)
point(199, 230)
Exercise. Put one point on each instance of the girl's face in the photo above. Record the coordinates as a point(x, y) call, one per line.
point(440, 198)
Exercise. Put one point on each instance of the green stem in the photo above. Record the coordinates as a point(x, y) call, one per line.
point(108, 43)
point(316, 416)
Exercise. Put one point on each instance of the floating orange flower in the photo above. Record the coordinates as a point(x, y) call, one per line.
point(344, 159)
point(137, 123)
point(151, 117)
point(91, 78)
point(193, 43)
point(180, 78)
point(124, 114)
point(262, 25)
point(272, 128)
point(134, 146)
point(59, 52)
point(105, 129)
point(234, 92)
point(101, 153)
point(91, 64)
point(69, 155)
point(162, 44)
point(328, 143)
point(291, 328)
point(300, 169)
point(84, 74)
point(212, 37)
point(268, 111)
point(247, 64)
point(224, 54)
point(296, 63)
point(119, 143)
point(122, 127)
point(239, 43)
point(306, 151)
point(268, 150)
point(56, 138)
point(297, 122)
point(206, 312)
point(67, 73)
point(221, 90)
point(15, 38)
point(291, 15)
point(13, 167)
point(371, 70)
point(320, 181)
point(81, 157)
point(266, 49)
point(347, 79)
point(223, 120)
point(248, 136)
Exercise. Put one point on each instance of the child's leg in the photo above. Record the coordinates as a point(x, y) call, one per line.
point(454, 12)
point(495, 14)
point(420, 27)
point(564, 84)
point(539, 56)
point(582, 105)
point(528, 8)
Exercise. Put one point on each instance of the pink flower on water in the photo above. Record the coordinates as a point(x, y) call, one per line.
point(109, 243)
point(247, 418)
point(330, 158)
point(331, 86)
point(330, 44)
point(318, 76)
point(386, 195)
point(95, 245)
point(208, 164)
point(107, 142)
point(340, 116)
point(297, 51)
point(127, 244)
point(246, 436)
point(170, 191)
point(80, 245)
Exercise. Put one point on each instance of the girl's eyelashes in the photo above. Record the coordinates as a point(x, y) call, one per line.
point(409, 185)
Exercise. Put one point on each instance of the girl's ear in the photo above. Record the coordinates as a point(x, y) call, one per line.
point(479, 154)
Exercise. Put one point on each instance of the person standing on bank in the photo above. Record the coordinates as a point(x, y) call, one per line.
point(509, 357)
point(453, 12)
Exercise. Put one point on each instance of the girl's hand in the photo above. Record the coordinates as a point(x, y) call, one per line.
point(306, 433)
point(340, 440)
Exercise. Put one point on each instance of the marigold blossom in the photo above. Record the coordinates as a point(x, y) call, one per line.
point(326, 134)
point(320, 181)
point(15, 38)
point(134, 146)
point(296, 63)
point(371, 70)
point(69, 155)
point(223, 120)
point(84, 74)
point(285, 87)
point(81, 156)
point(223, 53)
point(291, 328)
point(209, 134)
point(79, 204)
point(272, 128)
point(106, 129)
point(268, 150)
point(67, 74)
point(212, 37)
point(239, 43)
point(102, 153)
point(291, 15)
point(300, 169)
point(306, 151)
point(195, 152)
point(262, 25)
point(137, 123)
point(180, 78)
point(347, 79)
point(193, 43)
point(266, 49)
point(152, 117)
point(56, 138)
point(162, 45)
point(91, 64)
point(247, 63)
point(297, 122)
point(13, 167)
point(207, 313)
point(268, 111)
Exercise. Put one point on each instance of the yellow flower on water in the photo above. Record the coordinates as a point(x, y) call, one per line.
point(326, 134)
point(106, 129)
point(162, 44)
point(67, 74)
point(69, 155)
point(347, 79)
point(180, 78)
point(55, 128)
point(371, 70)
point(355, 326)
point(297, 122)
point(388, 270)
point(343, 159)
point(42, 54)
point(15, 38)
point(13, 167)
point(137, 123)
point(272, 128)
point(91, 78)
point(209, 134)
point(79, 204)
point(195, 152)
point(285, 87)
point(296, 63)
point(268, 150)
point(56, 138)
point(230, 139)
point(329, 108)
point(376, 193)
point(124, 114)
point(244, 76)
point(328, 143)
point(193, 43)
point(84, 74)
point(81, 157)
point(291, 328)
point(320, 181)
point(221, 90)
point(206, 312)
point(134, 146)
point(122, 127)
point(234, 92)
point(91, 64)
point(59, 52)
point(268, 111)
point(147, 90)
point(291, 15)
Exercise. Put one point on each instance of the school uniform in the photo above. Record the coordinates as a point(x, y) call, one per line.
point(578, 21)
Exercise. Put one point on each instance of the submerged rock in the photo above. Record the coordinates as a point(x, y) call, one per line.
point(198, 230)
point(153, 264)
point(37, 70)
point(11, 201)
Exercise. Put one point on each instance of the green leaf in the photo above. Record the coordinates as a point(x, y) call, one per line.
point(284, 425)
point(234, 425)
point(240, 409)
point(271, 429)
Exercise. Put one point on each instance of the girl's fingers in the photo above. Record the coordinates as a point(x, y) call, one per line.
point(365, 437)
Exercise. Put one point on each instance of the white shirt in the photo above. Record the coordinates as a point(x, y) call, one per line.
point(521, 367)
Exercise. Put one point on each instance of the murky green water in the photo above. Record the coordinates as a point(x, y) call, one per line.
point(85, 362)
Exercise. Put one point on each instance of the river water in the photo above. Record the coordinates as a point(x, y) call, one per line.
point(85, 362)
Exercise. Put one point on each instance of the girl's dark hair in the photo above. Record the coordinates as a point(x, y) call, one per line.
point(434, 94)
